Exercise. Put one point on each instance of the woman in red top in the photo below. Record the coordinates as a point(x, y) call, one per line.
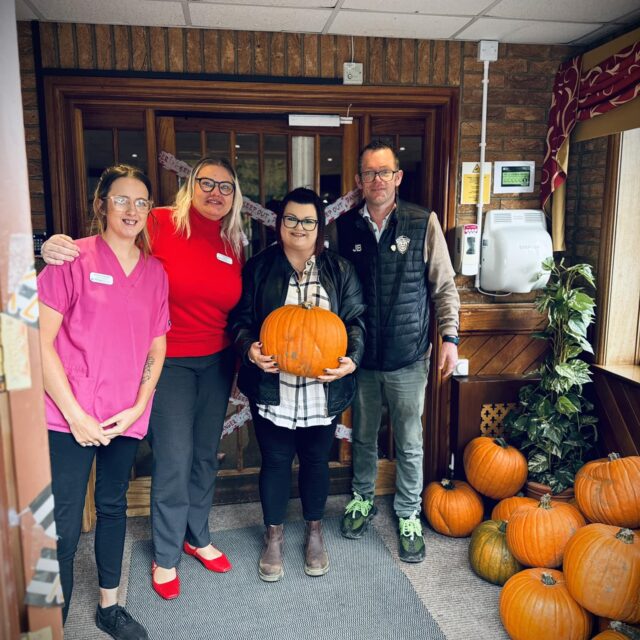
point(198, 241)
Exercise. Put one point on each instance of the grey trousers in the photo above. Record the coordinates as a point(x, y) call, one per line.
point(186, 422)
point(404, 390)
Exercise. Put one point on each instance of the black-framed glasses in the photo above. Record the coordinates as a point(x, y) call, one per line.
point(209, 184)
point(386, 175)
point(124, 203)
point(291, 222)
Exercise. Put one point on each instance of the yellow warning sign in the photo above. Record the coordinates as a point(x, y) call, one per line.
point(471, 183)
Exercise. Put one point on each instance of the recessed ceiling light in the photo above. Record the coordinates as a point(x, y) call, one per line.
point(403, 148)
point(329, 159)
point(134, 155)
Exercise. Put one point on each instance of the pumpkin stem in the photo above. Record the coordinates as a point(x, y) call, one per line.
point(502, 527)
point(545, 501)
point(502, 442)
point(547, 579)
point(307, 305)
point(630, 632)
point(625, 535)
point(447, 484)
point(614, 456)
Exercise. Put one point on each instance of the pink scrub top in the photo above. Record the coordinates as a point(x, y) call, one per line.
point(109, 322)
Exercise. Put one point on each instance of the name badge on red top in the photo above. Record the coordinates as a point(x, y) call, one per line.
point(223, 258)
point(100, 278)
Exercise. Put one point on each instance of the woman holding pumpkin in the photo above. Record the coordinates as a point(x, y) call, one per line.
point(292, 414)
point(198, 241)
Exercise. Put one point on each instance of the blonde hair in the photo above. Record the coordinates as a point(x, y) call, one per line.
point(108, 177)
point(231, 231)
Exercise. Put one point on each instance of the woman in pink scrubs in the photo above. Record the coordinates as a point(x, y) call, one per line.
point(103, 320)
point(198, 241)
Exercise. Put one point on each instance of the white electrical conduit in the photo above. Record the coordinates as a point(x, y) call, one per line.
point(483, 144)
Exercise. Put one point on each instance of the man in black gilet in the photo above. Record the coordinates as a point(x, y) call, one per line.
point(402, 259)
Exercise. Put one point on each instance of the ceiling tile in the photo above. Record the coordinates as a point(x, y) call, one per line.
point(303, 4)
point(570, 10)
point(140, 12)
point(23, 12)
point(217, 16)
point(525, 31)
point(434, 7)
point(393, 25)
point(598, 35)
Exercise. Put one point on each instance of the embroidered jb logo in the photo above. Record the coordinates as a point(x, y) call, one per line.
point(402, 243)
point(357, 248)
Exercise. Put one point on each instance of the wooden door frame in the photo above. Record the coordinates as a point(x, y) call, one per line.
point(65, 95)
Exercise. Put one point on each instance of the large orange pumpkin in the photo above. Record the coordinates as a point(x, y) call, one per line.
point(452, 507)
point(494, 468)
point(618, 631)
point(504, 508)
point(602, 569)
point(536, 604)
point(608, 490)
point(304, 339)
point(538, 534)
point(489, 555)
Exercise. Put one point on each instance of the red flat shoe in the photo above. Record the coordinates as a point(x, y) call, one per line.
point(167, 590)
point(220, 564)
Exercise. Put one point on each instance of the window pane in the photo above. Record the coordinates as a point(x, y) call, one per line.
point(218, 145)
point(247, 165)
point(98, 154)
point(410, 156)
point(275, 169)
point(132, 148)
point(188, 146)
point(330, 168)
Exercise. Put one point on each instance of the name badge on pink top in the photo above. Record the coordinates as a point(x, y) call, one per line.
point(100, 278)
point(223, 258)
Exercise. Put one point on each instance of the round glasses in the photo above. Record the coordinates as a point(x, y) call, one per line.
point(124, 203)
point(386, 175)
point(209, 184)
point(291, 222)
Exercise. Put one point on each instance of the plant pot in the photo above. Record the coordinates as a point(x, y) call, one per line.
point(536, 490)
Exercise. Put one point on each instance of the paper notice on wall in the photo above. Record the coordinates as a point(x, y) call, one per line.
point(15, 368)
point(471, 183)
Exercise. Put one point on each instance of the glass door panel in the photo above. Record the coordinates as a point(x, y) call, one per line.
point(275, 169)
point(330, 168)
point(218, 144)
point(247, 161)
point(188, 146)
point(98, 155)
point(411, 161)
point(132, 148)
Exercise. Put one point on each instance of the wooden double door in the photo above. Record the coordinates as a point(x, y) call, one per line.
point(122, 121)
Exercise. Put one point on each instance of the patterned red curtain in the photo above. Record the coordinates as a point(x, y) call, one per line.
point(577, 97)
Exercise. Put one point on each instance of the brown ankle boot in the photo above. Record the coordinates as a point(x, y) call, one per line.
point(316, 559)
point(270, 566)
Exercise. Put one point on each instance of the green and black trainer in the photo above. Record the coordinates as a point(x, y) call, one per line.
point(411, 547)
point(357, 515)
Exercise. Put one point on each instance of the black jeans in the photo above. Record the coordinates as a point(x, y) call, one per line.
point(278, 447)
point(186, 422)
point(70, 468)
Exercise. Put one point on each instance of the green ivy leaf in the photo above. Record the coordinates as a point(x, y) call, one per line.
point(565, 406)
point(538, 463)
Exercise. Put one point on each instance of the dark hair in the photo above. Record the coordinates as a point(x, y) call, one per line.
point(302, 195)
point(377, 145)
point(108, 177)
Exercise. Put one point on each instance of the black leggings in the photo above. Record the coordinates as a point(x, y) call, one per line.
point(70, 468)
point(278, 447)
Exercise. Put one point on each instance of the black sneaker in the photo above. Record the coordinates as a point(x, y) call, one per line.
point(357, 515)
point(411, 547)
point(118, 623)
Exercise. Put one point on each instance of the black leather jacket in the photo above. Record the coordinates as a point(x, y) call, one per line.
point(265, 279)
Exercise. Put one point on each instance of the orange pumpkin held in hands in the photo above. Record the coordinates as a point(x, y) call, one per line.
point(608, 490)
point(538, 534)
point(602, 569)
point(452, 507)
point(494, 468)
point(304, 339)
point(535, 604)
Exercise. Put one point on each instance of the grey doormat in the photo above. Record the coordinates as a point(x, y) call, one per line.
point(365, 596)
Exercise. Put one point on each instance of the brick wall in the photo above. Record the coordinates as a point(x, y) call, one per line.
point(520, 81)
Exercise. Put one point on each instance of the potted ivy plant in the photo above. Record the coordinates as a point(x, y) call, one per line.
point(553, 424)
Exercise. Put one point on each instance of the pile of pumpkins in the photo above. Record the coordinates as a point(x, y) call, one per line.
point(576, 570)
